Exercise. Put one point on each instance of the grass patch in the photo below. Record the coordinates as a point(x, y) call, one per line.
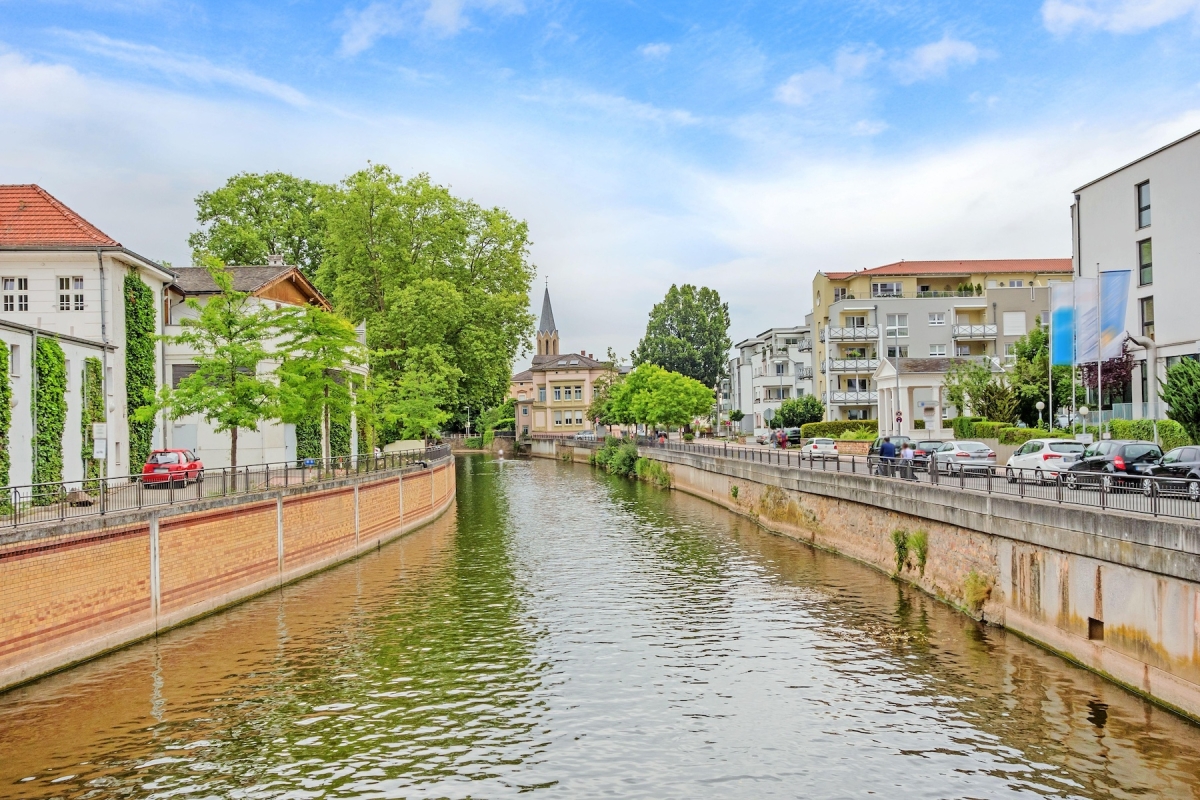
point(918, 543)
point(976, 591)
point(900, 543)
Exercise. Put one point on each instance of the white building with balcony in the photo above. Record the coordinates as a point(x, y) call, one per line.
point(770, 368)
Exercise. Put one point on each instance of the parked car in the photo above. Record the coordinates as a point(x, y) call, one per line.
point(962, 456)
point(922, 451)
point(177, 466)
point(793, 436)
point(1041, 459)
point(585, 436)
point(765, 438)
point(1113, 463)
point(821, 448)
point(1178, 473)
point(873, 452)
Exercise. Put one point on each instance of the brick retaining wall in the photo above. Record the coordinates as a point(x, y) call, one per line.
point(75, 590)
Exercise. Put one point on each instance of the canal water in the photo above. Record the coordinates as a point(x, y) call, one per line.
point(568, 634)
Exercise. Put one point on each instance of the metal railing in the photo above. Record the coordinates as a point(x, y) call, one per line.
point(854, 398)
point(974, 332)
point(1174, 497)
point(851, 364)
point(858, 333)
point(41, 503)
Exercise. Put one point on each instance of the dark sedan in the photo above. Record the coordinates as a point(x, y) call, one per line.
point(1178, 473)
point(1113, 463)
point(922, 451)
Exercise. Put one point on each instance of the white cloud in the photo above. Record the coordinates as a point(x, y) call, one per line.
point(849, 63)
point(1115, 16)
point(935, 59)
point(364, 28)
point(613, 105)
point(655, 50)
point(177, 65)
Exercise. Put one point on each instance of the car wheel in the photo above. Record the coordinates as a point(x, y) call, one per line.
point(1148, 487)
point(1041, 477)
point(1010, 475)
point(1072, 481)
point(1193, 491)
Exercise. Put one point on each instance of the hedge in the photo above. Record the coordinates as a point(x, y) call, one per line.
point(139, 365)
point(918, 424)
point(5, 424)
point(964, 427)
point(50, 416)
point(837, 427)
point(1170, 432)
point(988, 430)
point(93, 411)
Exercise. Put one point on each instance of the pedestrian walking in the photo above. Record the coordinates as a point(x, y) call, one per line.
point(887, 455)
point(906, 460)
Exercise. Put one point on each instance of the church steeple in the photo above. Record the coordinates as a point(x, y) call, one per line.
point(547, 334)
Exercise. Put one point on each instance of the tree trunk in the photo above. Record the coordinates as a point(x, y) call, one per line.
point(233, 432)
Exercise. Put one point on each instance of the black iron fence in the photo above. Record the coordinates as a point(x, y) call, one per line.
point(1153, 496)
point(41, 503)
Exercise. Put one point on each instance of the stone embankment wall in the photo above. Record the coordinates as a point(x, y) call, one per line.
point(79, 589)
point(1115, 592)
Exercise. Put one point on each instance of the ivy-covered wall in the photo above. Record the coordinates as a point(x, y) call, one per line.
point(93, 411)
point(49, 411)
point(140, 364)
point(5, 419)
point(308, 439)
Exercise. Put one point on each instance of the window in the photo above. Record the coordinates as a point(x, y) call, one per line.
point(524, 411)
point(993, 284)
point(14, 361)
point(1145, 263)
point(923, 288)
point(558, 418)
point(181, 371)
point(16, 294)
point(962, 350)
point(1016, 284)
point(888, 289)
point(557, 393)
point(897, 324)
point(856, 322)
point(839, 293)
point(780, 368)
point(578, 417)
point(791, 341)
point(854, 352)
point(1014, 323)
point(77, 286)
point(892, 351)
point(937, 318)
point(64, 294)
point(1147, 308)
point(541, 394)
point(937, 349)
point(857, 384)
point(596, 391)
point(1010, 353)
point(578, 392)
point(1143, 204)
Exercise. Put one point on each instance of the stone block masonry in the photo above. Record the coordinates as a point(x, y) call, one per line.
point(1114, 592)
point(76, 590)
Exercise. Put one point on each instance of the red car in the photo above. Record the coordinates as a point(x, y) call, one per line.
point(177, 466)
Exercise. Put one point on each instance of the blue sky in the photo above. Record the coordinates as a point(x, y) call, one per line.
point(739, 145)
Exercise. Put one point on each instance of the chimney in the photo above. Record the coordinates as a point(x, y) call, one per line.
point(275, 260)
point(583, 353)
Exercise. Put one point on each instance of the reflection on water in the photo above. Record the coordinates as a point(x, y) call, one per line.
point(575, 635)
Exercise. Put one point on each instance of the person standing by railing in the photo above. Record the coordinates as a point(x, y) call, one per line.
point(907, 455)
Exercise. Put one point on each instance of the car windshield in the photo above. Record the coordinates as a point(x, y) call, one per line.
point(973, 447)
point(928, 445)
point(822, 441)
point(1066, 447)
point(163, 458)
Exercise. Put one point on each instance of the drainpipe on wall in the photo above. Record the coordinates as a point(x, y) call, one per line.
point(1151, 374)
point(104, 387)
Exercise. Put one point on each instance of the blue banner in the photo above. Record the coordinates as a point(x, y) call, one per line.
point(1114, 300)
point(1062, 324)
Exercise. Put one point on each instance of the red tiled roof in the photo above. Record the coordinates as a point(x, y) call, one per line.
point(30, 216)
point(965, 267)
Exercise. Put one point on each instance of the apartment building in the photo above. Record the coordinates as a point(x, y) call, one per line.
point(774, 366)
point(1142, 217)
point(921, 309)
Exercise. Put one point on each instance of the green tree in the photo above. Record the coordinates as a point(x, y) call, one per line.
point(655, 396)
point(1030, 377)
point(229, 341)
point(997, 402)
point(799, 411)
point(318, 349)
point(437, 280)
point(688, 333)
point(253, 216)
point(1181, 393)
point(406, 407)
point(964, 383)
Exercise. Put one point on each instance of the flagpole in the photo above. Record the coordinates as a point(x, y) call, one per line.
point(1099, 354)
point(1074, 350)
point(1050, 370)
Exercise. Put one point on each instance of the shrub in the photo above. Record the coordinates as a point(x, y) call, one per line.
point(733, 492)
point(988, 430)
point(1170, 432)
point(900, 542)
point(964, 427)
point(652, 472)
point(1019, 435)
point(976, 590)
point(860, 435)
point(473, 443)
point(918, 424)
point(918, 542)
point(689, 437)
point(1182, 394)
point(835, 428)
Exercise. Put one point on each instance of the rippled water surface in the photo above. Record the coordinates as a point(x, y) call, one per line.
point(572, 635)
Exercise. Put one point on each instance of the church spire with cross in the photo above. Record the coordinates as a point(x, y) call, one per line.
point(547, 333)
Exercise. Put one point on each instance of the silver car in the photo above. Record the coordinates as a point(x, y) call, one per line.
point(963, 456)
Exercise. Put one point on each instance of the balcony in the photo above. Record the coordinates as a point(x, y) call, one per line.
point(804, 373)
point(851, 365)
point(974, 332)
point(853, 398)
point(856, 334)
point(804, 346)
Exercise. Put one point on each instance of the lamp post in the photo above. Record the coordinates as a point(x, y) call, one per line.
point(1083, 412)
point(1040, 405)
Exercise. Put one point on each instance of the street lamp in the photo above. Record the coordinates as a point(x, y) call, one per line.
point(1083, 412)
point(1040, 405)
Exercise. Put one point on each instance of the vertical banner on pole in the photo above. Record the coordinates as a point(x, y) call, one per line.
point(1114, 301)
point(1087, 320)
point(1062, 325)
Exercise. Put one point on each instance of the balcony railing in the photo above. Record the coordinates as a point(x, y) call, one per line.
point(974, 332)
point(864, 333)
point(804, 346)
point(906, 295)
point(804, 372)
point(853, 398)
point(852, 364)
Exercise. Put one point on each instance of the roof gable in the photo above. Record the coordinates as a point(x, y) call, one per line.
point(963, 267)
point(31, 217)
point(285, 284)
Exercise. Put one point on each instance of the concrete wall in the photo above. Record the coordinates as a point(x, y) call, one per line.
point(74, 591)
point(1053, 574)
